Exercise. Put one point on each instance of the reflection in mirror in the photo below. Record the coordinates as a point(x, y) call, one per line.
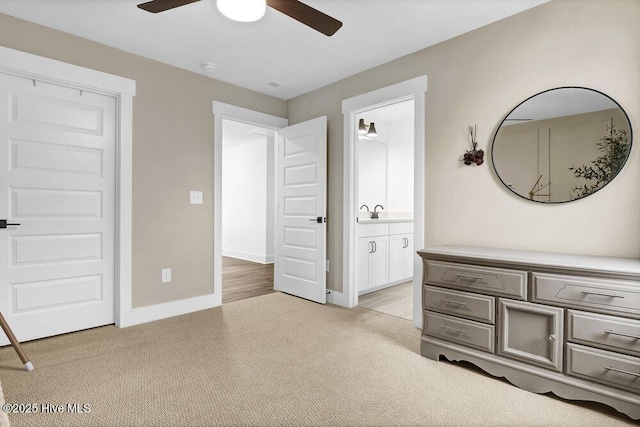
point(561, 145)
point(372, 173)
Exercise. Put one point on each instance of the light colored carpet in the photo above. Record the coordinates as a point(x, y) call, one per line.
point(270, 360)
point(4, 419)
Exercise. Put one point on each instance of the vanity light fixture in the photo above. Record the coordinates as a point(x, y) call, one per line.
point(242, 10)
point(367, 130)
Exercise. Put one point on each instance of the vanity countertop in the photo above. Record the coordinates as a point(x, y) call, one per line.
point(383, 220)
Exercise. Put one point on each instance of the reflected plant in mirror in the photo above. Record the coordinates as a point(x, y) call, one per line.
point(561, 145)
point(615, 149)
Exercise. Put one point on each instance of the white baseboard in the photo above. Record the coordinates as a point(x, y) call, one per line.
point(248, 256)
point(171, 309)
point(337, 298)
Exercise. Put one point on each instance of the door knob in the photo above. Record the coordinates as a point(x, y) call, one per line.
point(318, 219)
point(4, 223)
point(552, 337)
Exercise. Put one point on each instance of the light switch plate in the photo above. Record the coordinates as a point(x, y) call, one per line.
point(166, 275)
point(195, 197)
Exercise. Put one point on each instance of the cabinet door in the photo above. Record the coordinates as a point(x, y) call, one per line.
point(379, 261)
point(530, 332)
point(400, 257)
point(407, 257)
point(397, 251)
point(365, 247)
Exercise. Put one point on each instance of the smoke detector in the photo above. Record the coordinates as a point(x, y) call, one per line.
point(208, 67)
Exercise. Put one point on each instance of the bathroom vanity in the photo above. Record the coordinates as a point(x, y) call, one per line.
point(384, 254)
point(560, 323)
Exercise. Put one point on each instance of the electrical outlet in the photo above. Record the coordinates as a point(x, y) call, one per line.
point(166, 275)
point(195, 197)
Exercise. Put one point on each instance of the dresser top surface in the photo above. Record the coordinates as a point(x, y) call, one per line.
point(533, 258)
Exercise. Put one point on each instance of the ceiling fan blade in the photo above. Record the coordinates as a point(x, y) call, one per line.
point(156, 6)
point(307, 15)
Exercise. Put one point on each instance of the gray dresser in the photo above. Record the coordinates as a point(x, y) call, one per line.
point(560, 323)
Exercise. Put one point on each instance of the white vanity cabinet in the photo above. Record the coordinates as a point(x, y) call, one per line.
point(373, 254)
point(558, 323)
point(384, 256)
point(400, 252)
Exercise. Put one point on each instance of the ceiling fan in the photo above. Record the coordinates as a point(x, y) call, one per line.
point(252, 10)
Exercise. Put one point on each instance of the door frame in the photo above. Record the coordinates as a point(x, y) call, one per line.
point(47, 70)
point(222, 111)
point(413, 89)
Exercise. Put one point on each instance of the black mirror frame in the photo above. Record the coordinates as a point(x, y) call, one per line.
point(493, 163)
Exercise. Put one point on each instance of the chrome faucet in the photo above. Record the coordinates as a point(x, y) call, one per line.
point(364, 206)
point(374, 214)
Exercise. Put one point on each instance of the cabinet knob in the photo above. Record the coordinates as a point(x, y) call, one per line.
point(553, 337)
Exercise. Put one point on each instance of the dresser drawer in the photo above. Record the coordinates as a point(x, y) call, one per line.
point(608, 332)
point(458, 303)
point(603, 366)
point(467, 332)
point(494, 281)
point(608, 296)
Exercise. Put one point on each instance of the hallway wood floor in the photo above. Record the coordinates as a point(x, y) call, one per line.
point(396, 300)
point(245, 279)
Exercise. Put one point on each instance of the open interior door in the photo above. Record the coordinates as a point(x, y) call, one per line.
point(302, 204)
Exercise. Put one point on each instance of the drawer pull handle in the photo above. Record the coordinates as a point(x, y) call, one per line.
point(448, 301)
point(468, 277)
point(622, 334)
point(602, 294)
point(622, 371)
point(553, 337)
point(452, 329)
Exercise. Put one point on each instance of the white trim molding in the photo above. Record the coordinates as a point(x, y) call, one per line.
point(26, 65)
point(248, 256)
point(337, 298)
point(414, 89)
point(171, 309)
point(222, 111)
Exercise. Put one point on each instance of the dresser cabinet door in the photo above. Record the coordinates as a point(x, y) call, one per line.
point(531, 333)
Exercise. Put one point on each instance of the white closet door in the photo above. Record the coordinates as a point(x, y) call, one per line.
point(57, 180)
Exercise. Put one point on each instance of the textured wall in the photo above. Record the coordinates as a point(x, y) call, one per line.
point(172, 154)
point(477, 78)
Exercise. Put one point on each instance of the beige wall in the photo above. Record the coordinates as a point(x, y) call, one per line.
point(477, 78)
point(172, 154)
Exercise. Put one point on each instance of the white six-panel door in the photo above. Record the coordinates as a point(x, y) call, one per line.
point(302, 188)
point(57, 180)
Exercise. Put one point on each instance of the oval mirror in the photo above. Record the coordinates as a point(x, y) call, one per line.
point(562, 144)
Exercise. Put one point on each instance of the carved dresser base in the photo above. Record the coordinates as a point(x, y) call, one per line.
point(532, 378)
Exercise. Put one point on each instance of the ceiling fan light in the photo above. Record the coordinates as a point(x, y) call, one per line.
point(242, 10)
point(362, 128)
point(372, 130)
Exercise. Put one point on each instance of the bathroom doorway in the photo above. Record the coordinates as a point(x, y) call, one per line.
point(413, 89)
point(384, 196)
point(248, 210)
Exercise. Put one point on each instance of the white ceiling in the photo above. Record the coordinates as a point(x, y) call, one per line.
point(276, 49)
point(389, 113)
point(236, 133)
